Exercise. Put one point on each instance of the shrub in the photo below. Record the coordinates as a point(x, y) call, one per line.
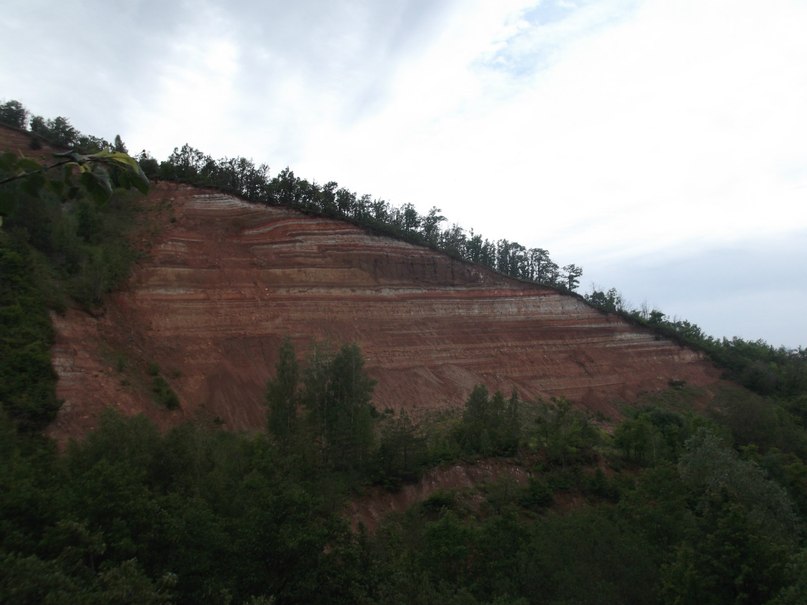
point(163, 393)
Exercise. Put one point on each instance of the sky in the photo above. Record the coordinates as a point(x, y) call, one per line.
point(661, 145)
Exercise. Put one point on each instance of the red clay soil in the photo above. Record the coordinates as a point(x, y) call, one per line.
point(225, 281)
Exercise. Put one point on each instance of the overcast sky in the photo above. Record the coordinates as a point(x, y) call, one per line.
point(659, 144)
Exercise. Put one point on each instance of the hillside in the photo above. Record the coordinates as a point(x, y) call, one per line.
point(124, 315)
point(223, 282)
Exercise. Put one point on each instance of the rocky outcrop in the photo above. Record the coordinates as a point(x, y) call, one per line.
point(225, 281)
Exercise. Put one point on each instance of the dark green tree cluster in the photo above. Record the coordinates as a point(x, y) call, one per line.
point(62, 238)
point(696, 522)
point(402, 452)
point(200, 515)
point(27, 380)
point(335, 394)
point(12, 113)
point(649, 436)
point(566, 436)
point(490, 425)
point(610, 301)
point(192, 516)
point(162, 391)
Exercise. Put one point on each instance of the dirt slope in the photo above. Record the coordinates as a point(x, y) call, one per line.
point(224, 282)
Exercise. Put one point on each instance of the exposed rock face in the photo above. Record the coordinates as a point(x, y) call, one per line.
point(225, 281)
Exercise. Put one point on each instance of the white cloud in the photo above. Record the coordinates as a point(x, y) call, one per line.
point(671, 121)
point(605, 131)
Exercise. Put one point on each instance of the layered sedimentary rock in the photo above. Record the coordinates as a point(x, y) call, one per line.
point(224, 281)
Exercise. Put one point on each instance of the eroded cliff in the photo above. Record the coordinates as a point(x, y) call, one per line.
point(224, 281)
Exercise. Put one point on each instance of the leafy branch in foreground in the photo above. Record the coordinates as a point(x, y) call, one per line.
point(93, 172)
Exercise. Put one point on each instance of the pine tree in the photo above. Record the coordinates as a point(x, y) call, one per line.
point(282, 394)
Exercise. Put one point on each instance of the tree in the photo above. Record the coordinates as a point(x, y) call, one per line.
point(610, 301)
point(408, 218)
point(431, 225)
point(350, 390)
point(337, 395)
point(544, 270)
point(119, 145)
point(57, 131)
point(490, 426)
point(14, 114)
point(400, 451)
point(282, 394)
point(571, 276)
point(566, 435)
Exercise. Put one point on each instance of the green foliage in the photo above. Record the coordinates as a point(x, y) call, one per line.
point(794, 591)
point(242, 177)
point(610, 301)
point(190, 516)
point(282, 395)
point(27, 379)
point(163, 393)
point(763, 422)
point(119, 145)
point(537, 495)
point(336, 394)
point(61, 232)
point(490, 426)
point(72, 220)
point(565, 435)
point(755, 365)
point(651, 435)
point(200, 516)
point(57, 131)
point(401, 452)
point(718, 473)
point(14, 114)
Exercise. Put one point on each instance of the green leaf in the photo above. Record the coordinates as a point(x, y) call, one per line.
point(95, 186)
point(101, 176)
point(127, 164)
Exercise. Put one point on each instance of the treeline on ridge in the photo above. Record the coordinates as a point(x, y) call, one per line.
point(241, 177)
point(755, 364)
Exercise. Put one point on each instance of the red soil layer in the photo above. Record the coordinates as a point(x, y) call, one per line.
point(225, 281)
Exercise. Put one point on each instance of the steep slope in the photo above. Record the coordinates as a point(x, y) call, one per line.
point(225, 281)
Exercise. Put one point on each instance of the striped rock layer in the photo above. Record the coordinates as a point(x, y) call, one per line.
point(224, 282)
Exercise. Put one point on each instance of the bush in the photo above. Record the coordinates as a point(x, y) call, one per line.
point(163, 393)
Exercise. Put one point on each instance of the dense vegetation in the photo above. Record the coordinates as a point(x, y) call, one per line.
point(672, 507)
point(666, 506)
point(62, 241)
